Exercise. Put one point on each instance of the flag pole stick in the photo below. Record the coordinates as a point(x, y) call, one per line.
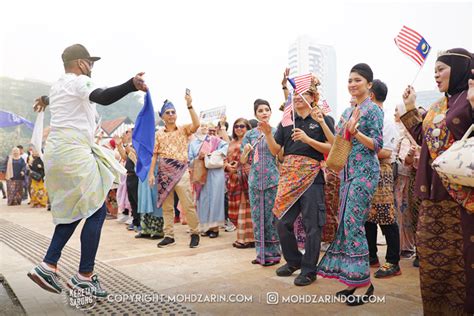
point(417, 73)
point(419, 70)
point(293, 110)
point(310, 107)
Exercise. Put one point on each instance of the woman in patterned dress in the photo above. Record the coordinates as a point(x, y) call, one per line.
point(347, 258)
point(237, 183)
point(263, 185)
point(444, 236)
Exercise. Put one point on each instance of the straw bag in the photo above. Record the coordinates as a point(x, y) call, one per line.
point(339, 153)
point(457, 163)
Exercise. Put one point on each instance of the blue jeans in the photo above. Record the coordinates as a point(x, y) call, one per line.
point(90, 236)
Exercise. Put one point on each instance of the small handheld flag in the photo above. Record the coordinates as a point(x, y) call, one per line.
point(288, 112)
point(412, 44)
point(325, 107)
point(301, 84)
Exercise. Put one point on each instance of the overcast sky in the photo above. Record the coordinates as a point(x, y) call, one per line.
point(227, 53)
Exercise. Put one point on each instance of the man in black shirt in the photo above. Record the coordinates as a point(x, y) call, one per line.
point(301, 185)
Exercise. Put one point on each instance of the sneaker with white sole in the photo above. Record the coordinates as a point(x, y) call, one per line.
point(46, 279)
point(129, 221)
point(229, 226)
point(122, 218)
point(92, 285)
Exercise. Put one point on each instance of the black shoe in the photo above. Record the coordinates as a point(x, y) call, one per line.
point(356, 300)
point(416, 262)
point(286, 270)
point(266, 264)
point(194, 241)
point(168, 241)
point(141, 235)
point(213, 234)
point(345, 293)
point(305, 279)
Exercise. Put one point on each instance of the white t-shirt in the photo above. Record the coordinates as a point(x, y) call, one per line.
point(390, 134)
point(25, 157)
point(70, 106)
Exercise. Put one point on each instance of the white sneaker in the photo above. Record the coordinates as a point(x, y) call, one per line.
point(122, 218)
point(229, 226)
point(129, 221)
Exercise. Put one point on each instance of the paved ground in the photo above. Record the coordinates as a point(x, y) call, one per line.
point(215, 268)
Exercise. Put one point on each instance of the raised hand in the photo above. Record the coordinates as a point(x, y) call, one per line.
point(317, 115)
point(264, 127)
point(409, 98)
point(353, 121)
point(286, 73)
point(189, 100)
point(139, 82)
point(39, 105)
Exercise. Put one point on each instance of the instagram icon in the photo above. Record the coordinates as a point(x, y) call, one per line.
point(272, 298)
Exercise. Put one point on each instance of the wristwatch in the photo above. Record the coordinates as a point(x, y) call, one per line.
point(190, 107)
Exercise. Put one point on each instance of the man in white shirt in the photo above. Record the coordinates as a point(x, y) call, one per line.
point(79, 173)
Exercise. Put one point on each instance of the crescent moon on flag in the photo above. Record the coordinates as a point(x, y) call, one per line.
point(424, 48)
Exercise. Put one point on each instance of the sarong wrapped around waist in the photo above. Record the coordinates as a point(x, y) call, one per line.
point(170, 171)
point(78, 174)
point(297, 174)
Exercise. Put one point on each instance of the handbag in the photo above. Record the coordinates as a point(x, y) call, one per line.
point(457, 162)
point(199, 172)
point(340, 150)
point(36, 175)
point(215, 160)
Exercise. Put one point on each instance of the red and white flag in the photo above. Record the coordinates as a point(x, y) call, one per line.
point(325, 107)
point(412, 44)
point(288, 112)
point(256, 158)
point(302, 83)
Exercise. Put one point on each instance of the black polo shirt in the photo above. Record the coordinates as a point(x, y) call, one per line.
point(313, 130)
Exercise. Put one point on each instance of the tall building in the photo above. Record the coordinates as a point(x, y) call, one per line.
point(307, 55)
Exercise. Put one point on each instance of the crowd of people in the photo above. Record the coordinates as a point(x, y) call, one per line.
point(24, 175)
point(271, 187)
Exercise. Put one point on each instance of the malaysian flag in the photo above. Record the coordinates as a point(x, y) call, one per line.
point(325, 107)
point(301, 83)
point(413, 44)
point(256, 158)
point(287, 112)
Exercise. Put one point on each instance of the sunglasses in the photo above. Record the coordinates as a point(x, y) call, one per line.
point(170, 112)
point(241, 126)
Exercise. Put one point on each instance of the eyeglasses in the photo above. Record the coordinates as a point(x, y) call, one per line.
point(170, 112)
point(241, 126)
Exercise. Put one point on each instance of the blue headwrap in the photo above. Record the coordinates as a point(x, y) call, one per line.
point(166, 106)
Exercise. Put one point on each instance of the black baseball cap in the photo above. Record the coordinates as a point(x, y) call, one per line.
point(77, 51)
